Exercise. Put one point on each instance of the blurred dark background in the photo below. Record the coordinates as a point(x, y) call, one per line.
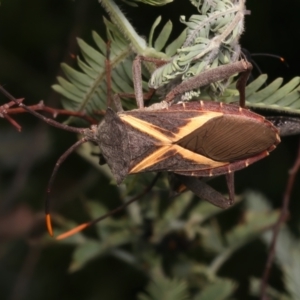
point(35, 37)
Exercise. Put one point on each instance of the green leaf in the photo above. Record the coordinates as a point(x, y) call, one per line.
point(286, 98)
point(287, 253)
point(166, 289)
point(255, 223)
point(84, 253)
point(86, 90)
point(148, 2)
point(68, 95)
point(123, 26)
point(171, 49)
point(155, 24)
point(255, 290)
point(274, 97)
point(164, 35)
point(219, 290)
point(91, 56)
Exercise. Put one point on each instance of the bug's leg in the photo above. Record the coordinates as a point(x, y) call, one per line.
point(242, 82)
point(137, 81)
point(204, 191)
point(230, 185)
point(117, 98)
point(137, 77)
point(137, 84)
point(209, 76)
point(176, 185)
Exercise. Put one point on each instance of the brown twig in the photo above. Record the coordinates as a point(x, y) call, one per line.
point(53, 111)
point(283, 216)
point(4, 113)
point(12, 122)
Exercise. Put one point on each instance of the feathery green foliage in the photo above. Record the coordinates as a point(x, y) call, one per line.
point(284, 99)
point(86, 90)
point(148, 2)
point(199, 227)
point(165, 288)
point(209, 40)
point(220, 290)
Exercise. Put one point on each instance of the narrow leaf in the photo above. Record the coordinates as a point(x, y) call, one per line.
point(164, 35)
point(219, 290)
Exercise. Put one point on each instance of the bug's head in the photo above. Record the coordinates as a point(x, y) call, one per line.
point(113, 141)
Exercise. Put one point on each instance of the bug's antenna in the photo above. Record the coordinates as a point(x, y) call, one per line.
point(267, 55)
point(110, 213)
point(282, 59)
point(51, 180)
point(56, 124)
point(249, 56)
point(40, 116)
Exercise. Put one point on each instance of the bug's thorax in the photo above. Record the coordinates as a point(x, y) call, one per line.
point(112, 138)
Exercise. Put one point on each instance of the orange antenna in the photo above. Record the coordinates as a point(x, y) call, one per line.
point(51, 180)
point(56, 124)
point(282, 59)
point(112, 212)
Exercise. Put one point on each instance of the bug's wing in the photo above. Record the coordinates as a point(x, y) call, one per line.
point(197, 142)
point(153, 137)
point(230, 138)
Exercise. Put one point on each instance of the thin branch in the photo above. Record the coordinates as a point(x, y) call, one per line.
point(53, 111)
point(4, 113)
point(12, 122)
point(282, 218)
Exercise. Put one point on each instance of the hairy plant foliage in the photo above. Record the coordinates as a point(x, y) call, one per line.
point(183, 226)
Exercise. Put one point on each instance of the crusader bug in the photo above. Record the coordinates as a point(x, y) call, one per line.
point(190, 140)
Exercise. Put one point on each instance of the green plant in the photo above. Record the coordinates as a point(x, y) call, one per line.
point(191, 52)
